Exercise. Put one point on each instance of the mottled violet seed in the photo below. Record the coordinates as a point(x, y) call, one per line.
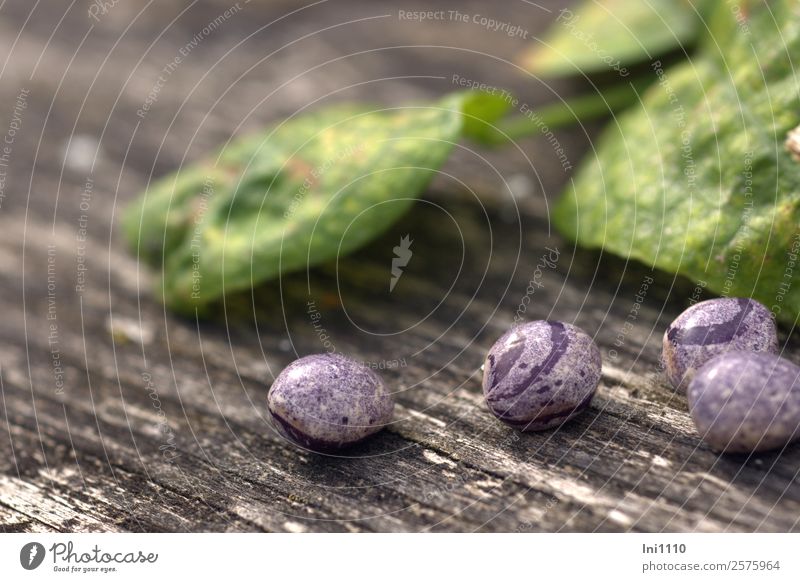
point(743, 402)
point(326, 402)
point(712, 327)
point(541, 374)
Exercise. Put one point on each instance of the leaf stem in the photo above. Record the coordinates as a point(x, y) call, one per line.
point(566, 113)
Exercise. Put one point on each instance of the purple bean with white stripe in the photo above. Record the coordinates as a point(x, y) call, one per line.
point(326, 402)
point(710, 328)
point(541, 374)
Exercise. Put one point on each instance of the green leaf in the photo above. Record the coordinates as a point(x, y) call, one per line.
point(611, 35)
point(697, 180)
point(310, 189)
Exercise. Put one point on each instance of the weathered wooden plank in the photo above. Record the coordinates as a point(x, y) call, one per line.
point(12, 521)
point(660, 437)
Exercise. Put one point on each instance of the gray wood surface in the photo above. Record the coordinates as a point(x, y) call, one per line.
point(118, 416)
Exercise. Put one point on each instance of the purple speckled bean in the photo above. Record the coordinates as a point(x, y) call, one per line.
point(712, 327)
point(326, 402)
point(541, 374)
point(743, 402)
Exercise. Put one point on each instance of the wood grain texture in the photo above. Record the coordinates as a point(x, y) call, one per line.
point(160, 422)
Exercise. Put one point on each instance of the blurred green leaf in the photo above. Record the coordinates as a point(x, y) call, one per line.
point(611, 35)
point(697, 180)
point(308, 190)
